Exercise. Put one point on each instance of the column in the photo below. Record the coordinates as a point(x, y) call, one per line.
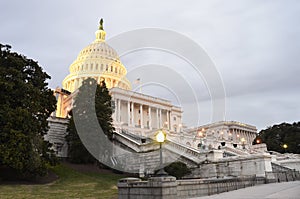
point(160, 121)
point(132, 114)
point(141, 114)
point(114, 115)
point(119, 110)
point(157, 119)
point(111, 83)
point(150, 118)
point(76, 83)
point(168, 120)
point(128, 113)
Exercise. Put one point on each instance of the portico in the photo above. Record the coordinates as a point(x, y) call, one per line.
point(143, 112)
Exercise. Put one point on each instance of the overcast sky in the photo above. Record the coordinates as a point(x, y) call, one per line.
point(254, 44)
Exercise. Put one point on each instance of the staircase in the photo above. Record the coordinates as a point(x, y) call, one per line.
point(144, 152)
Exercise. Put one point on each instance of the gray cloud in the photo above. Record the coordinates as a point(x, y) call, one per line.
point(255, 45)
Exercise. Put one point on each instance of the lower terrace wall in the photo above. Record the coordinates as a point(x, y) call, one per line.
point(169, 188)
point(246, 165)
point(197, 187)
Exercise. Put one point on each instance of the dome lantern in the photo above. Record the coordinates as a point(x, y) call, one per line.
point(100, 33)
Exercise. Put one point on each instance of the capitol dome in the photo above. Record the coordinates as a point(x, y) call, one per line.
point(99, 61)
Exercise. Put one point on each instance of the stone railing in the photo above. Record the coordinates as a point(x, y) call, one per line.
point(135, 143)
point(258, 148)
point(277, 167)
point(185, 151)
point(234, 151)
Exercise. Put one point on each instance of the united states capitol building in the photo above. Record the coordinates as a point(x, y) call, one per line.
point(214, 150)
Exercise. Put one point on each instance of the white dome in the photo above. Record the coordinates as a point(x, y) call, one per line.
point(99, 61)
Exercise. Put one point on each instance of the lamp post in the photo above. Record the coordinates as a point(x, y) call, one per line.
point(285, 146)
point(160, 138)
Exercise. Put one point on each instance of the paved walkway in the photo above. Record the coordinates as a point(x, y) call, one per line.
point(285, 190)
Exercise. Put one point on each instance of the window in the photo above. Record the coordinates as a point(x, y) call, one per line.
point(96, 66)
point(174, 118)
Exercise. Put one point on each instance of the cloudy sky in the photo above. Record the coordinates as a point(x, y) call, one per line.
point(254, 45)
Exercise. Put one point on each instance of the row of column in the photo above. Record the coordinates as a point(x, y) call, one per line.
point(247, 135)
point(74, 84)
point(131, 116)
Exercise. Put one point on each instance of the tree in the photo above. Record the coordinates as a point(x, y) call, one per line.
point(177, 169)
point(86, 97)
point(26, 103)
point(278, 135)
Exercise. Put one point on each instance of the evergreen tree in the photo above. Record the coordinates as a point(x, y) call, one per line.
point(279, 135)
point(26, 103)
point(87, 103)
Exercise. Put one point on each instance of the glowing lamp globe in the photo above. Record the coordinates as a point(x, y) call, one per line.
point(160, 137)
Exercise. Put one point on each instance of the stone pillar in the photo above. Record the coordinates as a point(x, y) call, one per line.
point(128, 113)
point(157, 119)
point(132, 114)
point(168, 120)
point(76, 83)
point(160, 119)
point(150, 118)
point(141, 114)
point(119, 110)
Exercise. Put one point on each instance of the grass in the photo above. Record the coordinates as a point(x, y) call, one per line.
point(71, 184)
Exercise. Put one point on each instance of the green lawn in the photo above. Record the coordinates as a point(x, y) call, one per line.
point(71, 184)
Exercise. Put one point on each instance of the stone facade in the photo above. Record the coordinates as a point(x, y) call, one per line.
point(56, 135)
point(224, 133)
point(167, 187)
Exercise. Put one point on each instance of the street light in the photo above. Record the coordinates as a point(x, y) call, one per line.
point(285, 146)
point(160, 138)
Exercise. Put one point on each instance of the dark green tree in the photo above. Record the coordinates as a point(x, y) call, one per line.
point(276, 136)
point(177, 169)
point(25, 104)
point(89, 94)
